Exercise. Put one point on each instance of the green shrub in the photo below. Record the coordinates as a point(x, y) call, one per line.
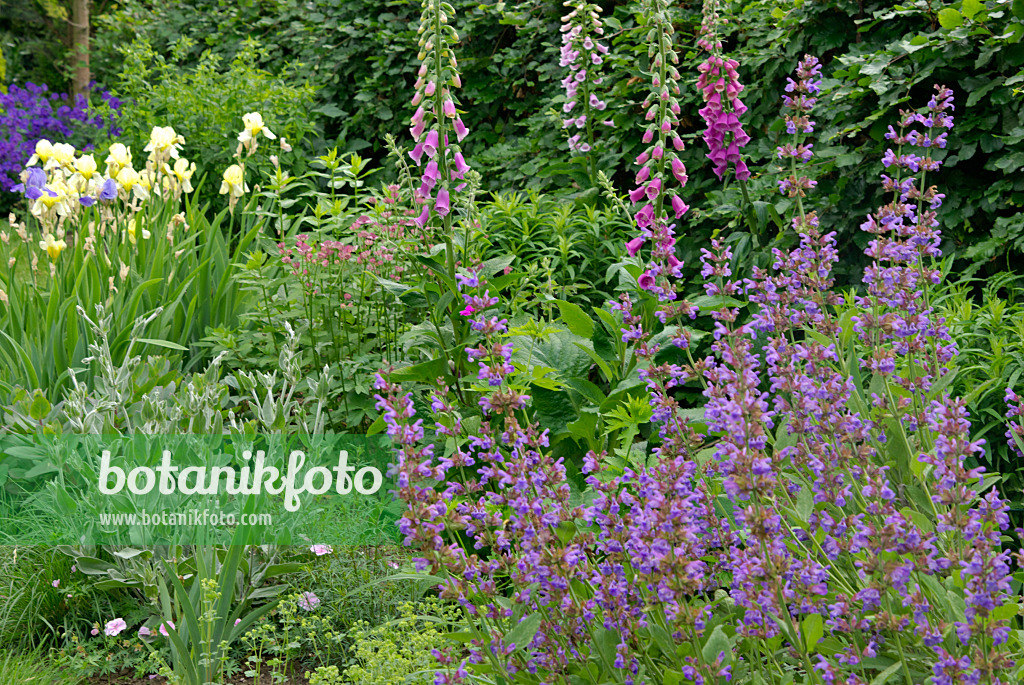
point(204, 103)
point(400, 651)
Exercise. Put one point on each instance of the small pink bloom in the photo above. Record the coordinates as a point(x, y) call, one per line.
point(646, 281)
point(56, 583)
point(460, 130)
point(429, 91)
point(237, 621)
point(163, 627)
point(321, 550)
point(308, 601)
point(634, 245)
point(679, 171)
point(115, 627)
point(145, 632)
point(448, 108)
point(94, 631)
point(653, 189)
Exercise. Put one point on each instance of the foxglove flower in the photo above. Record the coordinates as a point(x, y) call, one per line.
point(437, 113)
point(720, 87)
point(582, 53)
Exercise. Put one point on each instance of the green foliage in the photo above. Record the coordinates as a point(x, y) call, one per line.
point(204, 103)
point(31, 667)
point(34, 36)
point(989, 330)
point(201, 622)
point(181, 286)
point(400, 651)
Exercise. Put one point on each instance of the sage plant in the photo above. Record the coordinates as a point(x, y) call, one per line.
point(827, 529)
point(583, 53)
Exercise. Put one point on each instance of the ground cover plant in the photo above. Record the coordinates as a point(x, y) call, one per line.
point(693, 364)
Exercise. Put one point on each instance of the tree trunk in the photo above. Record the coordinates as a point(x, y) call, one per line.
point(80, 46)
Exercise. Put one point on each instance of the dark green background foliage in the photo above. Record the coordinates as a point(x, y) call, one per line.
point(878, 57)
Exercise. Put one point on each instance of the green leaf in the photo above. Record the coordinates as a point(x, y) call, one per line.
point(884, 675)
point(575, 319)
point(971, 7)
point(805, 504)
point(522, 635)
point(717, 643)
point(427, 372)
point(40, 407)
point(813, 630)
point(950, 19)
point(163, 343)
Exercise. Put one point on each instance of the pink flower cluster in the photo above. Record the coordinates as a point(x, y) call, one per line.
point(720, 87)
point(582, 52)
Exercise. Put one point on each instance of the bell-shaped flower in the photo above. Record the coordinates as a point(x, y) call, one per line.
point(430, 144)
point(460, 166)
point(460, 129)
point(634, 245)
point(678, 206)
point(424, 217)
point(430, 174)
point(442, 205)
point(417, 153)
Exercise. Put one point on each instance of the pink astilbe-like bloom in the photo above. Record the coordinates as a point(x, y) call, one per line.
point(437, 114)
point(720, 87)
point(582, 53)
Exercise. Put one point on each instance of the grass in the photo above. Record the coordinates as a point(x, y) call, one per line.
point(32, 669)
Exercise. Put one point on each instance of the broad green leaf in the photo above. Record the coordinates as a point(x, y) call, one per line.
point(971, 8)
point(884, 676)
point(576, 319)
point(522, 635)
point(717, 643)
point(950, 19)
point(813, 630)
